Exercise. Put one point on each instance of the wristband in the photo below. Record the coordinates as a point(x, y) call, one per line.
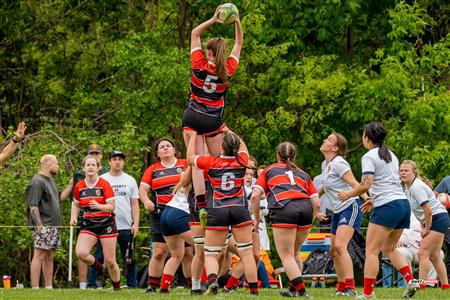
point(16, 139)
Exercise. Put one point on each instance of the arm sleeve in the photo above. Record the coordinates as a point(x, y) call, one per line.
point(420, 194)
point(203, 162)
point(134, 189)
point(311, 189)
point(198, 59)
point(34, 193)
point(243, 157)
point(341, 168)
point(108, 191)
point(368, 167)
point(232, 64)
point(76, 193)
point(148, 175)
point(261, 182)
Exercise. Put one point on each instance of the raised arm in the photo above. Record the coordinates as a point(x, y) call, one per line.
point(239, 39)
point(197, 31)
point(12, 146)
point(190, 152)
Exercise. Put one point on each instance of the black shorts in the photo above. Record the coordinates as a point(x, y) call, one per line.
point(155, 226)
point(222, 218)
point(101, 228)
point(194, 218)
point(295, 214)
point(201, 123)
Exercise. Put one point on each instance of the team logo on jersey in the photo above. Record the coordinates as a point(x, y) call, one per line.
point(179, 170)
point(161, 173)
point(98, 193)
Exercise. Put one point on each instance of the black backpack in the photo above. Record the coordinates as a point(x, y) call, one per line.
point(319, 262)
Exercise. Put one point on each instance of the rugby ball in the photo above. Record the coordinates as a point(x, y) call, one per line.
point(228, 13)
point(444, 198)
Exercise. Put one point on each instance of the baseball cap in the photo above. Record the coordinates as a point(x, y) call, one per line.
point(94, 148)
point(117, 153)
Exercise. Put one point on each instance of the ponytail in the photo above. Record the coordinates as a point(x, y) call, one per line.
point(376, 133)
point(230, 146)
point(218, 48)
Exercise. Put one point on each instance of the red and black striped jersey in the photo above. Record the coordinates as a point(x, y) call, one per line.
point(101, 191)
point(226, 179)
point(161, 180)
point(207, 90)
point(281, 184)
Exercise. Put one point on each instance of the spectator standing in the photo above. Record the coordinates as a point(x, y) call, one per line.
point(44, 214)
point(127, 210)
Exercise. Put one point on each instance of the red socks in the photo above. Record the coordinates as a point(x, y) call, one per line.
point(369, 283)
point(232, 282)
point(341, 286)
point(407, 274)
point(445, 286)
point(350, 283)
point(166, 279)
point(116, 285)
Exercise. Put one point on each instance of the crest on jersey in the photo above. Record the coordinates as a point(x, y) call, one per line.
point(98, 193)
point(179, 170)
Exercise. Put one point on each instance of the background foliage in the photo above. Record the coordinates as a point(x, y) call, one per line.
point(117, 73)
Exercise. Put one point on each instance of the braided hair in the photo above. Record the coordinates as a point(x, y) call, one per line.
point(230, 145)
point(286, 153)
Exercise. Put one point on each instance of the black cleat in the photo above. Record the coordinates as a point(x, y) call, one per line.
point(212, 289)
point(196, 292)
point(150, 290)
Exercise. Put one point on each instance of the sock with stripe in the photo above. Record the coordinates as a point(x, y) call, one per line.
point(154, 282)
point(298, 284)
point(212, 278)
point(116, 285)
point(253, 287)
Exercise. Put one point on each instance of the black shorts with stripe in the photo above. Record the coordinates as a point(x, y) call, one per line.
point(201, 123)
point(100, 227)
point(223, 217)
point(295, 214)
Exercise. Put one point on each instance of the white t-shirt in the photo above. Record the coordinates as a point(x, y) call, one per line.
point(324, 203)
point(386, 186)
point(125, 188)
point(179, 201)
point(333, 183)
point(418, 195)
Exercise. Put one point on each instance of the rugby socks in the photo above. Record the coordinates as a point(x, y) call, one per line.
point(166, 279)
point(445, 286)
point(189, 282)
point(369, 283)
point(407, 274)
point(341, 286)
point(298, 284)
point(253, 286)
point(232, 282)
point(154, 282)
point(201, 202)
point(116, 285)
point(422, 286)
point(291, 287)
point(83, 285)
point(49, 287)
point(196, 284)
point(212, 278)
point(98, 266)
point(350, 283)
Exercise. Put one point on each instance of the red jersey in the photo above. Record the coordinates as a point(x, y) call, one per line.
point(161, 180)
point(281, 184)
point(102, 192)
point(226, 179)
point(207, 90)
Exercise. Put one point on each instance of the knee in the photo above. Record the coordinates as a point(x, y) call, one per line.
point(338, 250)
point(434, 257)
point(110, 261)
point(423, 254)
point(82, 253)
point(159, 255)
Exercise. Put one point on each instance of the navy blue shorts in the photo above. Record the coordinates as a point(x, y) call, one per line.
point(440, 223)
point(174, 221)
point(395, 214)
point(350, 216)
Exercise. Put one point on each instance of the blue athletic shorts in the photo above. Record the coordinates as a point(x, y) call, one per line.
point(350, 216)
point(174, 221)
point(395, 214)
point(440, 223)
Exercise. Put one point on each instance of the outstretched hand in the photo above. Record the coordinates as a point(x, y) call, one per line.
point(216, 18)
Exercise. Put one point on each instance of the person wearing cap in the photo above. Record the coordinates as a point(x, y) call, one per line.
point(12, 146)
point(127, 210)
point(96, 151)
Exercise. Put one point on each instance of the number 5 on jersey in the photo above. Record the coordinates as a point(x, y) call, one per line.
point(208, 85)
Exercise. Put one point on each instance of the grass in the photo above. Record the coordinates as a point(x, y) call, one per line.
point(319, 293)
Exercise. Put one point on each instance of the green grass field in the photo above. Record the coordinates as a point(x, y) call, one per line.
point(319, 293)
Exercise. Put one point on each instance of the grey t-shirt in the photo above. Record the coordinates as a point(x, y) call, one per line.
point(443, 186)
point(43, 193)
point(420, 194)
